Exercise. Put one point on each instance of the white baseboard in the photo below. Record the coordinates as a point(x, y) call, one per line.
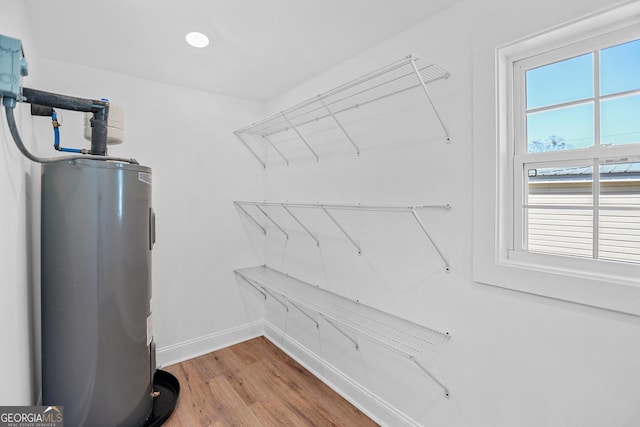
point(206, 344)
point(372, 405)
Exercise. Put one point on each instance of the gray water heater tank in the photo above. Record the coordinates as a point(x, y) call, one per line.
point(98, 230)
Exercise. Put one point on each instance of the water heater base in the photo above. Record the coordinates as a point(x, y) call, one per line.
point(164, 403)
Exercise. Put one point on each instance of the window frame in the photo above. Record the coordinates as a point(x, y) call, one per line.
point(592, 155)
point(606, 284)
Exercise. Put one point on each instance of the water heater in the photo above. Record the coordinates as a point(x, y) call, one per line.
point(97, 234)
point(98, 231)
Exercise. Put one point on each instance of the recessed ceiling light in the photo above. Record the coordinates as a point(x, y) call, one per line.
point(197, 39)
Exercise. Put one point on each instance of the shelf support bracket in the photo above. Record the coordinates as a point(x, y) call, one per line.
point(433, 377)
point(262, 162)
point(299, 135)
point(271, 219)
point(341, 331)
point(252, 285)
point(264, 230)
point(305, 313)
point(286, 307)
point(275, 148)
point(335, 119)
point(272, 145)
point(342, 229)
point(301, 224)
point(426, 92)
point(424, 230)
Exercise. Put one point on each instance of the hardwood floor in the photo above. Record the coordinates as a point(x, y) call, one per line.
point(255, 384)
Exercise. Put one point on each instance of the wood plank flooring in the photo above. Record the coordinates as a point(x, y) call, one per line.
point(255, 384)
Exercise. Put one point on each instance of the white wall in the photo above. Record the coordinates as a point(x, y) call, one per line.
point(514, 359)
point(17, 317)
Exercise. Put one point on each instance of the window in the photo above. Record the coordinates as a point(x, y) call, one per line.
point(576, 117)
point(561, 216)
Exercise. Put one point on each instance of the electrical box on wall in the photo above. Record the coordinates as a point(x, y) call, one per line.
point(13, 66)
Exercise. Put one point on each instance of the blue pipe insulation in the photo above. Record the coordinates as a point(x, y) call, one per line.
point(56, 130)
point(56, 136)
point(70, 150)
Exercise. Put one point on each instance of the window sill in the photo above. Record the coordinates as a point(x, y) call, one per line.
point(602, 284)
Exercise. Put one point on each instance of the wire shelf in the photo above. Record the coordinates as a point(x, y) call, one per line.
point(262, 208)
point(392, 79)
point(403, 337)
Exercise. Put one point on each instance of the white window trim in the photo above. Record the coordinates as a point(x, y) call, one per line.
point(604, 284)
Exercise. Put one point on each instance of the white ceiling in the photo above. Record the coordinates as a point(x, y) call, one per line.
point(260, 48)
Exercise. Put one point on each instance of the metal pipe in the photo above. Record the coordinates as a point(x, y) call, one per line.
point(99, 108)
point(99, 129)
point(9, 104)
point(34, 96)
point(56, 136)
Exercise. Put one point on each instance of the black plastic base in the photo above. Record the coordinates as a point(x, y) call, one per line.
point(164, 403)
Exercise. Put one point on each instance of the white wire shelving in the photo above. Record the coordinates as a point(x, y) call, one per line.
point(389, 80)
point(288, 207)
point(352, 319)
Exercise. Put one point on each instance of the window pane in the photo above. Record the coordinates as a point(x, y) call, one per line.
point(620, 120)
point(560, 82)
point(620, 68)
point(560, 214)
point(560, 129)
point(619, 221)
